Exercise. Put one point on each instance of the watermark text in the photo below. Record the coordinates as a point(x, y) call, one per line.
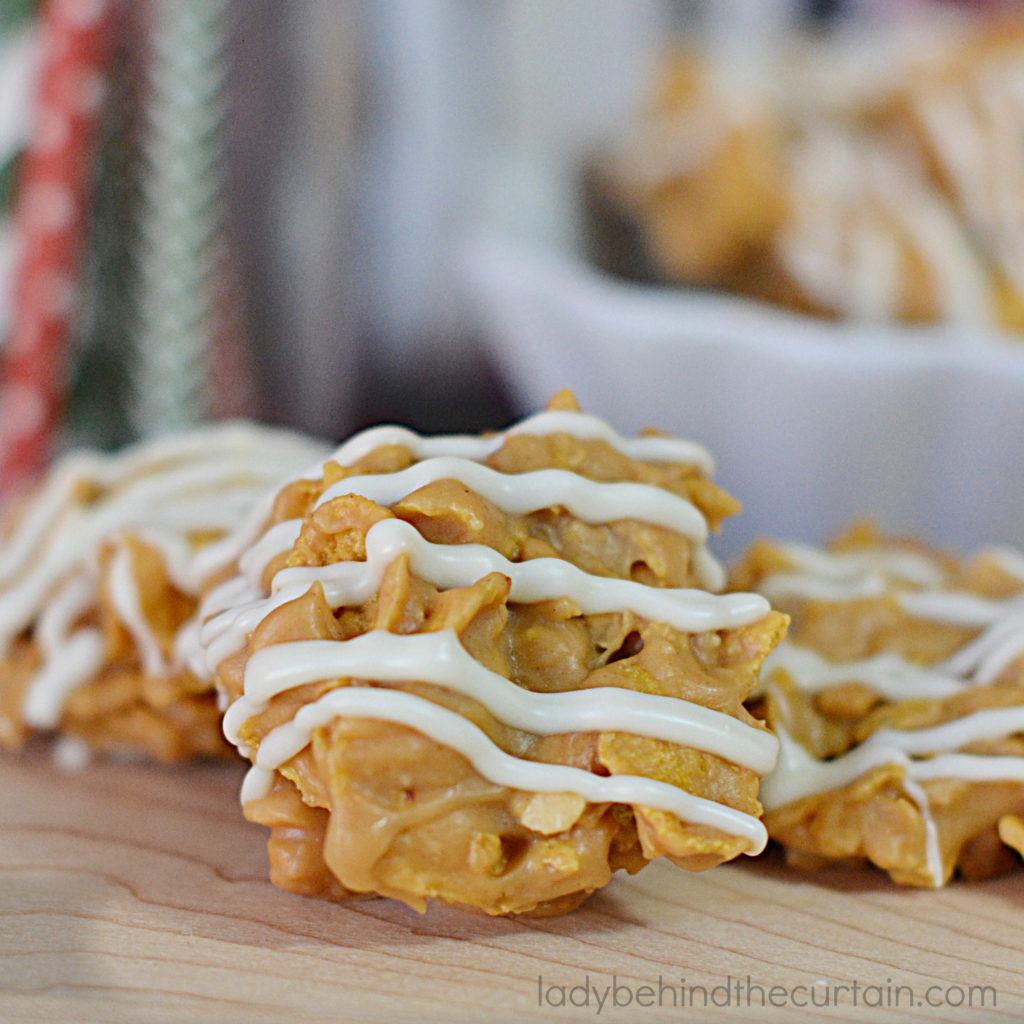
point(600, 993)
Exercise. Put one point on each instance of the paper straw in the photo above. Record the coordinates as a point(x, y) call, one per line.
point(49, 215)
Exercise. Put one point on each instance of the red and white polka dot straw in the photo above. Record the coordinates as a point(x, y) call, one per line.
point(50, 200)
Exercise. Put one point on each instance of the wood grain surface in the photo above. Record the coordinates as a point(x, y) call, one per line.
point(137, 893)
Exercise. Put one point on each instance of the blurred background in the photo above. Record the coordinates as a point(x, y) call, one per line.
point(791, 230)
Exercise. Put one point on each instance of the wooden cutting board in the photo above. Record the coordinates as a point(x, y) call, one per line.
point(137, 893)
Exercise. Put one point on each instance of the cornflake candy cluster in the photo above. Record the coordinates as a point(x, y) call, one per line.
point(492, 670)
point(101, 568)
point(898, 698)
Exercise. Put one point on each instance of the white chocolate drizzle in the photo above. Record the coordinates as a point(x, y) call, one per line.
point(491, 762)
point(918, 584)
point(888, 674)
point(124, 591)
point(1009, 561)
point(349, 584)
point(163, 492)
point(441, 660)
point(975, 131)
point(864, 204)
point(233, 610)
point(59, 676)
point(824, 575)
point(254, 547)
point(521, 493)
point(581, 425)
point(69, 657)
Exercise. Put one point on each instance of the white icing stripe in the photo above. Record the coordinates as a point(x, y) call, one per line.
point(577, 424)
point(959, 281)
point(887, 674)
point(176, 551)
point(229, 548)
point(987, 724)
point(932, 852)
point(224, 607)
point(218, 511)
point(799, 774)
point(521, 493)
point(532, 581)
point(818, 574)
point(347, 584)
point(867, 212)
point(124, 594)
point(60, 675)
point(851, 565)
point(278, 539)
point(1009, 561)
point(454, 732)
point(781, 585)
point(440, 659)
point(958, 608)
point(66, 659)
point(72, 600)
point(975, 131)
point(970, 767)
point(37, 519)
point(985, 657)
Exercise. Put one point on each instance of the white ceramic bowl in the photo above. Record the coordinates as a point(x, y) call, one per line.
point(811, 423)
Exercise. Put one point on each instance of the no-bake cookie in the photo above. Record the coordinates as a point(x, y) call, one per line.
point(101, 568)
point(898, 699)
point(493, 670)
